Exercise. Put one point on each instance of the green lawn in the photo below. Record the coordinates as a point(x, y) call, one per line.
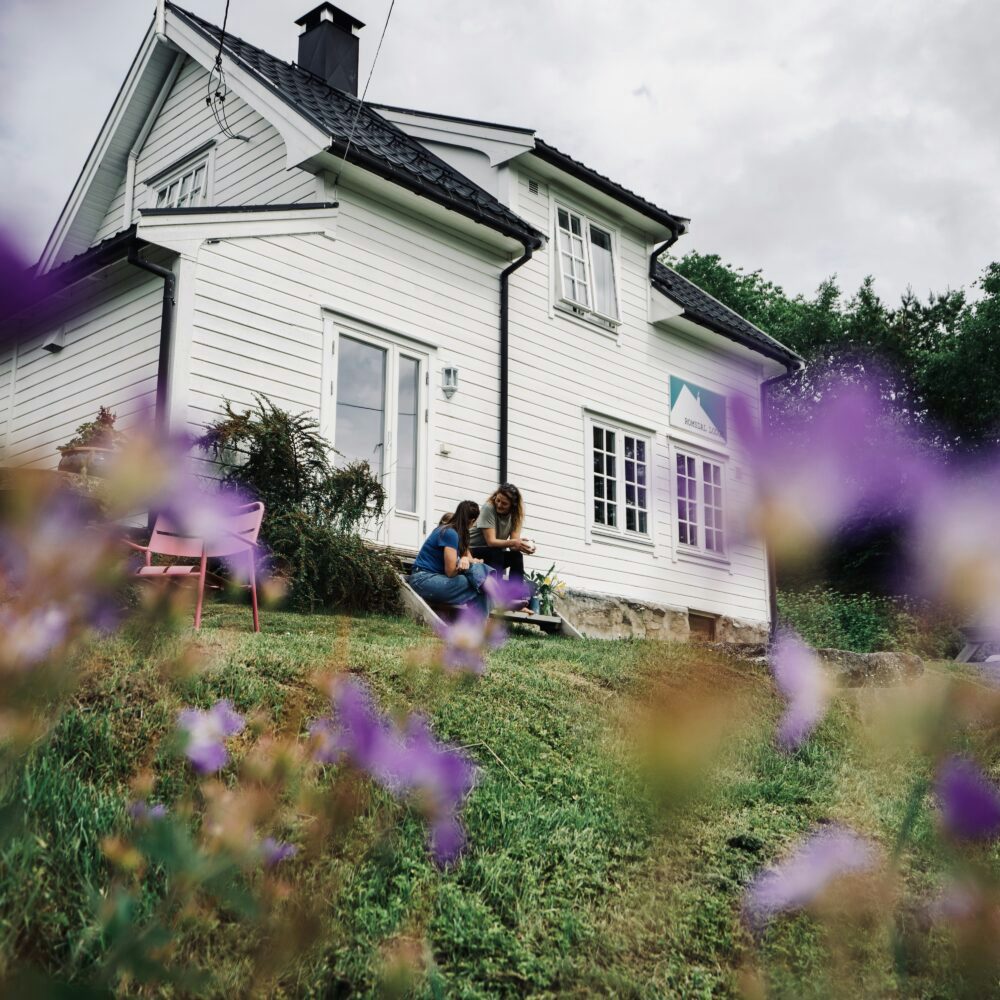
point(582, 878)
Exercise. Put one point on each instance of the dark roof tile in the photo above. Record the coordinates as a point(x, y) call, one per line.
point(701, 307)
point(375, 142)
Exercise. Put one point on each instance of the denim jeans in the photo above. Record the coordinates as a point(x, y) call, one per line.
point(463, 588)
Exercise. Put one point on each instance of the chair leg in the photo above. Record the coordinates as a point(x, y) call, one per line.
point(253, 591)
point(201, 591)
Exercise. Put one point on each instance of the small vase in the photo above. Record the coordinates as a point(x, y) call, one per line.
point(546, 606)
point(534, 604)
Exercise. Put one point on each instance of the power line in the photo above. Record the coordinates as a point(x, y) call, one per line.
point(364, 93)
point(216, 96)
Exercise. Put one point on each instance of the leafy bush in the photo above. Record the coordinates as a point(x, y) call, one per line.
point(97, 433)
point(866, 623)
point(315, 512)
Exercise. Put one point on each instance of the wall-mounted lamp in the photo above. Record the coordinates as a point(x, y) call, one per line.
point(449, 380)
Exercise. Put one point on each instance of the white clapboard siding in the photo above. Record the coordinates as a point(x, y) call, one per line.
point(112, 335)
point(258, 324)
point(560, 366)
point(246, 173)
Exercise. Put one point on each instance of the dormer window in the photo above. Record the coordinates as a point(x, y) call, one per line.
point(184, 190)
point(586, 265)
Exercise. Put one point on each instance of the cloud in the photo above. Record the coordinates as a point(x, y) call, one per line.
point(804, 139)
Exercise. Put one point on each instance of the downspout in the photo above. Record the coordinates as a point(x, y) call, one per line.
point(676, 232)
point(791, 368)
point(166, 326)
point(505, 274)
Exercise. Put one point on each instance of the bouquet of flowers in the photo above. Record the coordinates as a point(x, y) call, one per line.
point(546, 585)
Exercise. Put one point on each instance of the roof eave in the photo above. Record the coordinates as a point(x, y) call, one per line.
point(675, 223)
point(527, 236)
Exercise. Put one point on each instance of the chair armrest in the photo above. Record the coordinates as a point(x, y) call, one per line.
point(138, 548)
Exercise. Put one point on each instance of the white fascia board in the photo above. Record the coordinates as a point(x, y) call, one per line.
point(98, 152)
point(559, 179)
point(184, 232)
point(498, 144)
point(662, 308)
point(738, 353)
point(303, 140)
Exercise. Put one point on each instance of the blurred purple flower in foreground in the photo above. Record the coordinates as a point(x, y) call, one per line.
point(275, 851)
point(206, 734)
point(505, 593)
point(801, 681)
point(812, 478)
point(799, 879)
point(143, 812)
point(410, 762)
point(467, 639)
point(970, 804)
point(20, 287)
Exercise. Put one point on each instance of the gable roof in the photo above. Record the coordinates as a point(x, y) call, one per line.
point(368, 139)
point(702, 308)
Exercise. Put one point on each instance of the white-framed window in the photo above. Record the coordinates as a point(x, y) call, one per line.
point(700, 503)
point(586, 272)
point(185, 189)
point(620, 468)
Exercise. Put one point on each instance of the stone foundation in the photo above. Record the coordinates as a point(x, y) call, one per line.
point(603, 616)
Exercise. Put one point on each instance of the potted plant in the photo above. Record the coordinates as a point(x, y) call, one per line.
point(546, 586)
point(89, 451)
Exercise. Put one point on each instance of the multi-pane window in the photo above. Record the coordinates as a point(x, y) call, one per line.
point(605, 477)
point(699, 504)
point(620, 464)
point(185, 190)
point(586, 264)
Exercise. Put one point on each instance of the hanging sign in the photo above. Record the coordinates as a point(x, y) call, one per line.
point(698, 410)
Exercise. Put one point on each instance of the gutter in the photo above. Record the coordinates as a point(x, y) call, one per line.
point(792, 368)
point(505, 274)
point(166, 327)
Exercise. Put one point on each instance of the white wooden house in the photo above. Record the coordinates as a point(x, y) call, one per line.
point(457, 301)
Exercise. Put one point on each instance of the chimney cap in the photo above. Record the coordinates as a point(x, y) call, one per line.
point(327, 12)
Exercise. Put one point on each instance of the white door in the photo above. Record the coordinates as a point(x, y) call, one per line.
point(375, 409)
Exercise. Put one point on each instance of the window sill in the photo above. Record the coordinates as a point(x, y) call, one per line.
point(705, 558)
point(620, 538)
point(610, 328)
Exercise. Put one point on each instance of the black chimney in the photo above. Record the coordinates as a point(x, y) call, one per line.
point(328, 46)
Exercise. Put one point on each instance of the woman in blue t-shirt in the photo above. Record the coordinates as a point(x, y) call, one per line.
point(444, 571)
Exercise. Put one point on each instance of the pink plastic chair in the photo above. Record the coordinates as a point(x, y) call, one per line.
point(238, 536)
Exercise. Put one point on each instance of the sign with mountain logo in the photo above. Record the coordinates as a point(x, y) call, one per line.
point(698, 410)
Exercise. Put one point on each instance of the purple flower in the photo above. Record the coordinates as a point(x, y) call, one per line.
point(970, 804)
point(206, 733)
point(31, 637)
point(408, 762)
point(20, 286)
point(800, 680)
point(799, 879)
point(506, 593)
point(466, 641)
point(143, 812)
point(276, 851)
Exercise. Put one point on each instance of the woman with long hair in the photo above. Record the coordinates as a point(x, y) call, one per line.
point(445, 571)
point(496, 537)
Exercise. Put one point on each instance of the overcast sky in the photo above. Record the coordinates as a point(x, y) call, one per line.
point(806, 139)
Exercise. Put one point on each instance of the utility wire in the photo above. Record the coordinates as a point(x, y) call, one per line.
point(215, 97)
point(364, 93)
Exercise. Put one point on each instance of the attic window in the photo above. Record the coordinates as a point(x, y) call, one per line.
point(586, 265)
point(184, 190)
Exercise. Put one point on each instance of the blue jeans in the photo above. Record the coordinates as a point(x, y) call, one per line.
point(463, 588)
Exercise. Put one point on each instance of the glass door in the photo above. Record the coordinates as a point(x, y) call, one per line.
point(375, 409)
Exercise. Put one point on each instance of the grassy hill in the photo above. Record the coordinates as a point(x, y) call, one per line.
point(584, 875)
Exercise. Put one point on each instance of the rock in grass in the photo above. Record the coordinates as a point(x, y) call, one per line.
point(872, 669)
